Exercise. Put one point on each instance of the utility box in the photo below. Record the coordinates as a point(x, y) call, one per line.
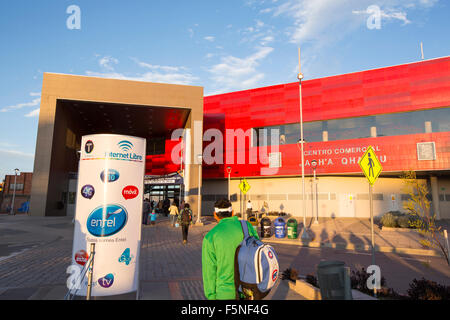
point(334, 280)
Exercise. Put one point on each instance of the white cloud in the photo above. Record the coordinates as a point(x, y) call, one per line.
point(389, 14)
point(325, 21)
point(157, 67)
point(33, 113)
point(175, 78)
point(16, 153)
point(33, 103)
point(234, 73)
point(108, 62)
point(260, 33)
point(158, 73)
point(267, 39)
point(209, 38)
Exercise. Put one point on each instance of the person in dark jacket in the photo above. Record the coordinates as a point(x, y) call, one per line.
point(146, 209)
point(184, 219)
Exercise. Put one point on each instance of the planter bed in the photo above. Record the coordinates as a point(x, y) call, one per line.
point(398, 229)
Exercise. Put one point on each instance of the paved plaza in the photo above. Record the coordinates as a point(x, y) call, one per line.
point(36, 251)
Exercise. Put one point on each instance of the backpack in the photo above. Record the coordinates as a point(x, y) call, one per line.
point(186, 216)
point(256, 267)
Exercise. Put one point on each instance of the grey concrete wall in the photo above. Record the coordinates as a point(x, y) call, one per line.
point(50, 170)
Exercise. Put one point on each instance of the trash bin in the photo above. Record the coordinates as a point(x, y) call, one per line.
point(334, 280)
point(280, 227)
point(292, 226)
point(254, 222)
point(266, 228)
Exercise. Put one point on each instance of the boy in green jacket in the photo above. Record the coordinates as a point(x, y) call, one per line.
point(218, 250)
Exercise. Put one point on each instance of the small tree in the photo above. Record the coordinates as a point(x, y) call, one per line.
point(418, 208)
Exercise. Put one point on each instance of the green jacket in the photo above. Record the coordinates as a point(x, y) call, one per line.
point(218, 249)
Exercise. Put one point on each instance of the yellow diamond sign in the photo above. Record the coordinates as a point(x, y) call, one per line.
point(370, 165)
point(244, 186)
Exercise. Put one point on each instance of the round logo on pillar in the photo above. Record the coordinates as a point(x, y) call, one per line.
point(89, 146)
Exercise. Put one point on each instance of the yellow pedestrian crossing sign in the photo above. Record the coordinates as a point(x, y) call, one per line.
point(370, 165)
point(244, 186)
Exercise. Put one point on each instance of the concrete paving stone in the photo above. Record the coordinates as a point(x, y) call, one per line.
point(164, 258)
point(17, 293)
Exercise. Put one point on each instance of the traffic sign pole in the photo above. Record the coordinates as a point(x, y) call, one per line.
point(244, 186)
point(372, 232)
point(372, 168)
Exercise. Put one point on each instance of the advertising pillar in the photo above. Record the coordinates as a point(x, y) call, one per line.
point(109, 212)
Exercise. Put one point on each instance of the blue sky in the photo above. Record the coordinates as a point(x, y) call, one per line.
point(221, 45)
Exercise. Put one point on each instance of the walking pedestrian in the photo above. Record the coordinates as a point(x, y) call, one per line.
point(173, 212)
point(184, 219)
point(153, 217)
point(145, 211)
point(166, 205)
point(218, 253)
point(249, 209)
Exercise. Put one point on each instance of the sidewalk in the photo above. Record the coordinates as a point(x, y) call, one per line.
point(36, 251)
point(355, 234)
point(35, 254)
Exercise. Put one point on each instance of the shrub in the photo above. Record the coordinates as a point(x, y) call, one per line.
point(312, 280)
point(389, 220)
point(290, 274)
point(358, 280)
point(428, 290)
point(403, 221)
point(397, 213)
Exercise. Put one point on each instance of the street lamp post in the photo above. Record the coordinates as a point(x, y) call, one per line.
point(199, 209)
point(316, 202)
point(304, 235)
point(16, 172)
point(229, 173)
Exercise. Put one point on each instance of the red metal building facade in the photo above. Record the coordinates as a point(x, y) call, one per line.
point(394, 90)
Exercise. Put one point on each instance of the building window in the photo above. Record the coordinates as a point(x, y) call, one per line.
point(393, 124)
point(17, 187)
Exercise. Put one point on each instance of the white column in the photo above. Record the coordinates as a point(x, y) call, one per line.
point(435, 196)
point(373, 132)
point(428, 128)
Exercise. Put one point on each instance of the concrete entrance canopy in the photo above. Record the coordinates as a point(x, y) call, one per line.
point(73, 106)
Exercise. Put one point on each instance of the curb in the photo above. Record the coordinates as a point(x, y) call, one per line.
point(312, 293)
point(304, 289)
point(353, 247)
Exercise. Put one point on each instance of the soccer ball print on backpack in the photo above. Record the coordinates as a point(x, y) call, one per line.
point(256, 267)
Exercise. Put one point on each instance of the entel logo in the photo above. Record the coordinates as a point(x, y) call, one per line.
point(81, 257)
point(107, 220)
point(130, 192)
point(106, 281)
